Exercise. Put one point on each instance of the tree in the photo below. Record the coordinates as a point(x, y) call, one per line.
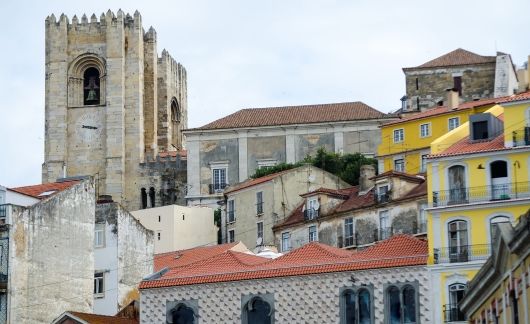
point(217, 222)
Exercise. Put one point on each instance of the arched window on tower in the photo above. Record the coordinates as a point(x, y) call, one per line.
point(91, 86)
point(152, 196)
point(144, 198)
point(175, 110)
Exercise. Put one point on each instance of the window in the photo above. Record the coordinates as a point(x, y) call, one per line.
point(286, 242)
point(452, 310)
point(384, 228)
point(98, 284)
point(152, 196)
point(231, 212)
point(143, 194)
point(311, 211)
point(348, 232)
point(183, 312)
point(401, 301)
point(159, 219)
point(425, 130)
point(257, 309)
point(356, 305)
point(91, 86)
point(457, 184)
point(99, 235)
point(260, 233)
point(422, 226)
point(458, 241)
point(399, 165)
point(175, 110)
point(417, 84)
point(313, 233)
point(423, 167)
point(457, 84)
point(399, 135)
point(500, 185)
point(259, 203)
point(231, 236)
point(480, 130)
point(454, 123)
point(219, 180)
point(494, 224)
point(158, 235)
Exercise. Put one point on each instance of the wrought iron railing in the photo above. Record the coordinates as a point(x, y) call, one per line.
point(452, 313)
point(468, 195)
point(521, 136)
point(462, 253)
point(311, 213)
point(217, 187)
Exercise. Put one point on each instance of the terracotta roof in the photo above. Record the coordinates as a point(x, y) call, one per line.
point(181, 153)
point(312, 258)
point(339, 193)
point(252, 182)
point(465, 146)
point(291, 115)
point(102, 319)
point(398, 174)
point(523, 96)
point(45, 190)
point(441, 110)
point(454, 58)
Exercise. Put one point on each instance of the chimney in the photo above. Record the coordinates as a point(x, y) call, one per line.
point(452, 98)
point(366, 172)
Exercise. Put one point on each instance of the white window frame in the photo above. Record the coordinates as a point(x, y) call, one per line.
point(449, 123)
point(423, 162)
point(312, 212)
point(259, 204)
point(395, 168)
point(230, 207)
point(266, 163)
point(286, 237)
point(315, 233)
point(258, 232)
point(428, 126)
point(99, 235)
point(219, 166)
point(99, 284)
point(349, 220)
point(231, 236)
point(400, 138)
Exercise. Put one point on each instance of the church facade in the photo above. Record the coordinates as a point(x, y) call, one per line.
point(114, 109)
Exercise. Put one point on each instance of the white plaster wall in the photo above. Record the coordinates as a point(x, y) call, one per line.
point(15, 198)
point(106, 260)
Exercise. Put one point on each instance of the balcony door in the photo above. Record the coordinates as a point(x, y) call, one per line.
point(458, 242)
point(457, 185)
point(500, 188)
point(456, 293)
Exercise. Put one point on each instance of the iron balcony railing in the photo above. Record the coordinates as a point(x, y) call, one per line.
point(452, 313)
point(462, 253)
point(215, 188)
point(310, 214)
point(521, 137)
point(469, 195)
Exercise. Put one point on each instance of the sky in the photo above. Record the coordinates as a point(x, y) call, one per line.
point(242, 54)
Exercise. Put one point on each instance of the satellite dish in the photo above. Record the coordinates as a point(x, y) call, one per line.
point(303, 208)
point(259, 241)
point(317, 205)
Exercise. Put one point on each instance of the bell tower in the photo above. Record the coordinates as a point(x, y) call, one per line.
point(110, 102)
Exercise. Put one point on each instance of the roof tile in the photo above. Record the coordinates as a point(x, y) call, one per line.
point(44, 190)
point(457, 57)
point(103, 319)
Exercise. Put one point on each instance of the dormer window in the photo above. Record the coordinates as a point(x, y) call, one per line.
point(484, 126)
point(383, 194)
point(480, 130)
point(312, 208)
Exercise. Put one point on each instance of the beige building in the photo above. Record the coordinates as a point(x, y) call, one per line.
point(111, 106)
point(179, 227)
point(253, 207)
point(380, 207)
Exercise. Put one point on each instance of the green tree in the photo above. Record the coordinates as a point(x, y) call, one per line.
point(217, 222)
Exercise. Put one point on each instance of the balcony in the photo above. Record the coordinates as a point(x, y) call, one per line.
point(470, 195)
point(217, 188)
point(452, 313)
point(463, 253)
point(382, 197)
point(521, 137)
point(310, 214)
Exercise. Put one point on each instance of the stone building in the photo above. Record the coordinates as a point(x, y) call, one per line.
point(356, 217)
point(112, 107)
point(386, 283)
point(230, 149)
point(64, 252)
point(254, 206)
point(473, 76)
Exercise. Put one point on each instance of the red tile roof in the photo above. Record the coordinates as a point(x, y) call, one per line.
point(45, 190)
point(103, 319)
point(523, 96)
point(252, 182)
point(465, 146)
point(292, 115)
point(398, 174)
point(312, 258)
point(181, 153)
point(454, 58)
point(338, 193)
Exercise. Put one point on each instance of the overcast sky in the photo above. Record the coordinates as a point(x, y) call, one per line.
point(242, 54)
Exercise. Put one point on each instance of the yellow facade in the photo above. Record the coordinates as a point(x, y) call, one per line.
point(469, 194)
point(414, 145)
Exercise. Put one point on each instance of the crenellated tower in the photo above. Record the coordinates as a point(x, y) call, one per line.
point(112, 105)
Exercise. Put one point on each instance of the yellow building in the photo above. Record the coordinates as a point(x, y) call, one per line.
point(478, 177)
point(405, 143)
point(500, 291)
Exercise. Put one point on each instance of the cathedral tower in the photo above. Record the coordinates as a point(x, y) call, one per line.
point(111, 104)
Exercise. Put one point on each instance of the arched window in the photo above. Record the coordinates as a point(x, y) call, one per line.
point(452, 310)
point(499, 180)
point(91, 86)
point(457, 184)
point(143, 194)
point(258, 310)
point(152, 196)
point(182, 312)
point(494, 224)
point(458, 242)
point(356, 306)
point(175, 110)
point(401, 303)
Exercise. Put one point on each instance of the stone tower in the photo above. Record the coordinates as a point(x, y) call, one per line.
point(113, 108)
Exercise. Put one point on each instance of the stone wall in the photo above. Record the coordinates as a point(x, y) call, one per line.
point(52, 256)
point(301, 299)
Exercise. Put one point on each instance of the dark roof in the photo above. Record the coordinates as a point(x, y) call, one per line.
point(457, 57)
point(293, 115)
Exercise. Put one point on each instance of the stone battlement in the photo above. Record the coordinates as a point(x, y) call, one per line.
point(104, 20)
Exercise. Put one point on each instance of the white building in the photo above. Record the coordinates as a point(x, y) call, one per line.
point(179, 227)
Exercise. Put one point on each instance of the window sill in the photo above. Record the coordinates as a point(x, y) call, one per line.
point(88, 106)
point(230, 223)
point(99, 296)
point(99, 246)
point(259, 214)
